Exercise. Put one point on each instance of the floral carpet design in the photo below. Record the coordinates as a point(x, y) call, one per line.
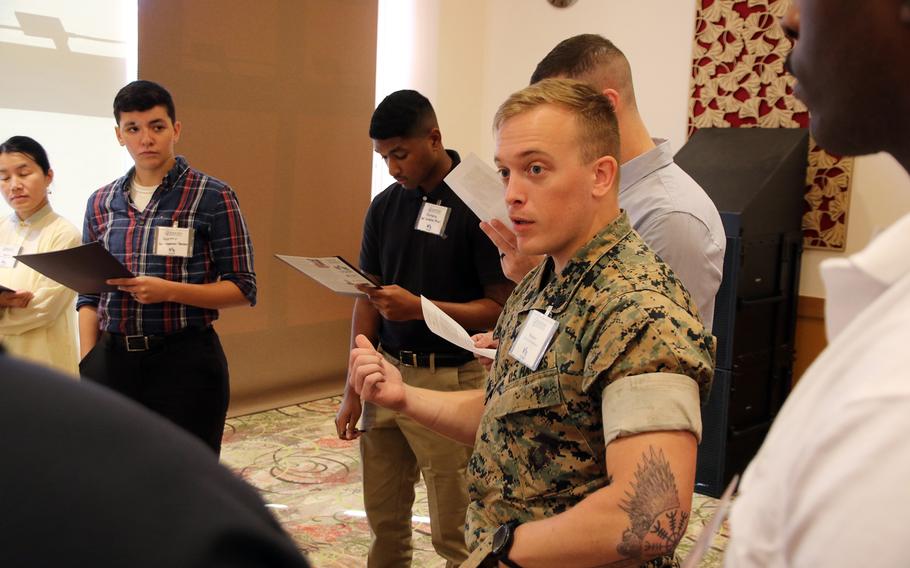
point(311, 481)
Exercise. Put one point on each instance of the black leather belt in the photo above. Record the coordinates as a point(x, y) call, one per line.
point(416, 359)
point(140, 343)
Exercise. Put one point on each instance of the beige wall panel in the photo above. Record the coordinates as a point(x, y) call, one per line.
point(810, 334)
point(275, 98)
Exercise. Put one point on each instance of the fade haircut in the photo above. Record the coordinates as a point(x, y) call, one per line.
point(27, 147)
point(598, 132)
point(405, 114)
point(140, 96)
point(590, 58)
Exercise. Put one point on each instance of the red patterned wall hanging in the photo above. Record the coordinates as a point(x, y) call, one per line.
point(738, 80)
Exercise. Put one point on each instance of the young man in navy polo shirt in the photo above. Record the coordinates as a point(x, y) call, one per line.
point(183, 236)
point(419, 238)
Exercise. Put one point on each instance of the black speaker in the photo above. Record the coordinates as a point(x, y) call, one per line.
point(756, 178)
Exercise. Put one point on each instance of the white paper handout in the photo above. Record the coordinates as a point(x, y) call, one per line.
point(479, 186)
point(710, 530)
point(445, 327)
point(333, 272)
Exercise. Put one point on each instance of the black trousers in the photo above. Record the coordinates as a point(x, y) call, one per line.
point(182, 376)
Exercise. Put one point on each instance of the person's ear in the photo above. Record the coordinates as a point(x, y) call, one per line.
point(177, 127)
point(435, 137)
point(119, 135)
point(613, 95)
point(605, 171)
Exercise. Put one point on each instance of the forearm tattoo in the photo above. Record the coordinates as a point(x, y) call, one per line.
point(657, 522)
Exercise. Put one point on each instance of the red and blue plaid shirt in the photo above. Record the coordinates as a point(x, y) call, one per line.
point(222, 249)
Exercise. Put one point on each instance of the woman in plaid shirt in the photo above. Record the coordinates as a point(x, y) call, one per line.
point(181, 232)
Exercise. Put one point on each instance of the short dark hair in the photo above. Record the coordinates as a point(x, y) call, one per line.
point(30, 147)
point(143, 95)
point(576, 56)
point(404, 113)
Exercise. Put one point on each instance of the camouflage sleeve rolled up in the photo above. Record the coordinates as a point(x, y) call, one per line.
point(653, 402)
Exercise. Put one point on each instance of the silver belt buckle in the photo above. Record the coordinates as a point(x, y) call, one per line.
point(137, 343)
point(407, 358)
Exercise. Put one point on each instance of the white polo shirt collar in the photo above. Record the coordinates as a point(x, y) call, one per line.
point(854, 282)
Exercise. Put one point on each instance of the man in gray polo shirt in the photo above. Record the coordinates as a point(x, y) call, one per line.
point(670, 211)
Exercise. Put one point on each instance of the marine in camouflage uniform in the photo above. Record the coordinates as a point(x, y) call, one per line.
point(627, 330)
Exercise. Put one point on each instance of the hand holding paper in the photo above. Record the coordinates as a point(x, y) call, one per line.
point(333, 272)
point(445, 327)
point(515, 265)
point(144, 289)
point(84, 268)
point(485, 340)
point(478, 185)
point(393, 302)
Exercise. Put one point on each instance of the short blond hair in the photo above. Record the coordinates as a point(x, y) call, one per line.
point(598, 132)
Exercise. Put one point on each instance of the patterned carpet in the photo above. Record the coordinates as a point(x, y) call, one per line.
point(311, 480)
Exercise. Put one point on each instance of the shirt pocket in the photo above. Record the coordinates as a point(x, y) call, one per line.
point(176, 266)
point(550, 455)
point(532, 392)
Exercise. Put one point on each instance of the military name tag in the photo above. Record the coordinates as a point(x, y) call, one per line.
point(7, 255)
point(533, 339)
point(433, 218)
point(173, 241)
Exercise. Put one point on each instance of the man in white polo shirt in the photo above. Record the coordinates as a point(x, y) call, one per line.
point(829, 486)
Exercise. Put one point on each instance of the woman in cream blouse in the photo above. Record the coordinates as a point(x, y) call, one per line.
point(38, 317)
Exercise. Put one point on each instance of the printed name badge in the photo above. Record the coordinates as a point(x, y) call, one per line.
point(433, 218)
point(7, 254)
point(534, 339)
point(174, 241)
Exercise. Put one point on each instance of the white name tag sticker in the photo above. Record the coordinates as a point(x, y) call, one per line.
point(173, 241)
point(433, 218)
point(533, 339)
point(7, 254)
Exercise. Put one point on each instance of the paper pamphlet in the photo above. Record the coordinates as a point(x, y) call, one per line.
point(479, 186)
point(333, 272)
point(84, 268)
point(5, 289)
point(445, 327)
point(710, 530)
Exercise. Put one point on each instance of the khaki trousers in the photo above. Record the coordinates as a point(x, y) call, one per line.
point(395, 451)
